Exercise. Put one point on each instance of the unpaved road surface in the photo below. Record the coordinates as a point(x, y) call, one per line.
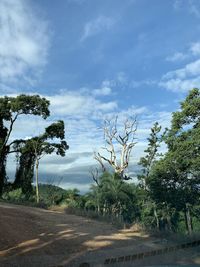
point(36, 237)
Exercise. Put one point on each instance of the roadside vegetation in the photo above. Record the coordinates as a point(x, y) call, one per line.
point(166, 196)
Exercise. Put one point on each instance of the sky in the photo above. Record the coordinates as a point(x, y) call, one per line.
point(94, 59)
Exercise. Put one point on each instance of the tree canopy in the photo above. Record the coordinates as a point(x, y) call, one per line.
point(10, 109)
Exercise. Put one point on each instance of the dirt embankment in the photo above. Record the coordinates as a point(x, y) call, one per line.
point(37, 237)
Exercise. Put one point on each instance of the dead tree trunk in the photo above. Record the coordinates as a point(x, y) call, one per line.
point(118, 145)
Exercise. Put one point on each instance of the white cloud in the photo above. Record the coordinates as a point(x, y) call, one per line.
point(79, 104)
point(177, 57)
point(180, 85)
point(191, 69)
point(24, 41)
point(104, 91)
point(195, 48)
point(183, 79)
point(136, 84)
point(93, 27)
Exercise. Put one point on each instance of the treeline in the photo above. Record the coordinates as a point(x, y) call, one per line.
point(167, 193)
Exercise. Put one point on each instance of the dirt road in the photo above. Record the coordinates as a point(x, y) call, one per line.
point(36, 237)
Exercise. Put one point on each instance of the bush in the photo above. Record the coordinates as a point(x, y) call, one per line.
point(14, 195)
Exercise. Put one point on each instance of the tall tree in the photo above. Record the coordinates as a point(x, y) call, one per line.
point(151, 153)
point(25, 169)
point(176, 178)
point(147, 162)
point(118, 145)
point(35, 149)
point(11, 108)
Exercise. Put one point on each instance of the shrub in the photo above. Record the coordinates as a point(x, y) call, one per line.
point(14, 195)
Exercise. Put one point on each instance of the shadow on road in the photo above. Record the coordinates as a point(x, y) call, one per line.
point(36, 237)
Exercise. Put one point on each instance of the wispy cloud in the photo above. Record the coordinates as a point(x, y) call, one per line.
point(186, 77)
point(189, 70)
point(80, 104)
point(195, 48)
point(24, 41)
point(100, 24)
point(177, 57)
point(180, 85)
point(191, 6)
point(183, 79)
point(194, 8)
point(192, 51)
point(104, 91)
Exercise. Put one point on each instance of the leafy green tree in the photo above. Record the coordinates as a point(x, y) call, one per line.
point(11, 108)
point(148, 206)
point(35, 149)
point(114, 197)
point(151, 153)
point(176, 178)
point(51, 194)
point(72, 198)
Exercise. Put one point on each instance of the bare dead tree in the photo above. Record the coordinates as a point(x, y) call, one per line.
point(118, 144)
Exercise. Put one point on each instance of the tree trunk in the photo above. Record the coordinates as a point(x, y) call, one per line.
point(36, 182)
point(156, 217)
point(104, 209)
point(169, 223)
point(188, 219)
point(98, 208)
point(2, 171)
point(4, 149)
point(2, 175)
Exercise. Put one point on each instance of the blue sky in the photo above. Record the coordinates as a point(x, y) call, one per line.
point(94, 59)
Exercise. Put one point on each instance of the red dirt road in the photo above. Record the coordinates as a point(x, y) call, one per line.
point(36, 237)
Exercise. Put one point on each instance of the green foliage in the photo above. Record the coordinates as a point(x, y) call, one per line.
point(24, 173)
point(32, 150)
point(10, 109)
point(113, 196)
point(151, 153)
point(51, 195)
point(175, 179)
point(27, 104)
point(14, 195)
point(55, 130)
point(41, 145)
point(167, 196)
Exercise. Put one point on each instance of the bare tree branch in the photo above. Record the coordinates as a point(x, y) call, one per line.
point(97, 156)
point(114, 138)
point(95, 175)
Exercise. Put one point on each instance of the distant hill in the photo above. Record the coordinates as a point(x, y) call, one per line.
point(51, 194)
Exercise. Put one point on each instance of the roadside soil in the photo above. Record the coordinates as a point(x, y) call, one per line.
point(37, 237)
